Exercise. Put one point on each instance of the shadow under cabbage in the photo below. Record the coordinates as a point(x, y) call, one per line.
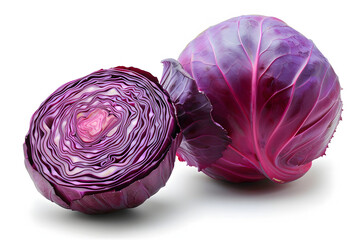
point(314, 184)
point(150, 214)
point(194, 194)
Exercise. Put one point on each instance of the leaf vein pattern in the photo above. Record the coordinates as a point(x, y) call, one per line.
point(227, 83)
point(242, 45)
point(254, 84)
point(307, 116)
point(292, 95)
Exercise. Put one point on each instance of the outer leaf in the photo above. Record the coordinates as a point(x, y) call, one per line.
point(272, 90)
point(204, 140)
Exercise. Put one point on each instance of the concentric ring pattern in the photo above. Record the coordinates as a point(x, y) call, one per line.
point(101, 132)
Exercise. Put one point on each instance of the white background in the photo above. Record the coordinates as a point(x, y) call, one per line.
point(44, 44)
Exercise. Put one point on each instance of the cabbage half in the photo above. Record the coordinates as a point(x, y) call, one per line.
point(103, 142)
point(271, 89)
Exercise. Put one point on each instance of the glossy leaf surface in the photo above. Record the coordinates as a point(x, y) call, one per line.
point(204, 140)
point(272, 90)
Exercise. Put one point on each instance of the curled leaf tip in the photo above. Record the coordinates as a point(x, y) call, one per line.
point(204, 140)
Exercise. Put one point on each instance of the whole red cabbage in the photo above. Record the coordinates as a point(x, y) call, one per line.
point(271, 89)
point(103, 142)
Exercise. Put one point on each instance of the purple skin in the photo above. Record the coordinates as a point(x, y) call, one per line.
point(103, 142)
point(272, 90)
point(202, 137)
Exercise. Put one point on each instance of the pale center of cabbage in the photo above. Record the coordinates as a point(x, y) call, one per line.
point(92, 126)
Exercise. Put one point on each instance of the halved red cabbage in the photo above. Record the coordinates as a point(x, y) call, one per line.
point(103, 142)
point(272, 90)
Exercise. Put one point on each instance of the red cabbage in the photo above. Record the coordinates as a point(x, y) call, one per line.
point(103, 142)
point(272, 90)
point(203, 139)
